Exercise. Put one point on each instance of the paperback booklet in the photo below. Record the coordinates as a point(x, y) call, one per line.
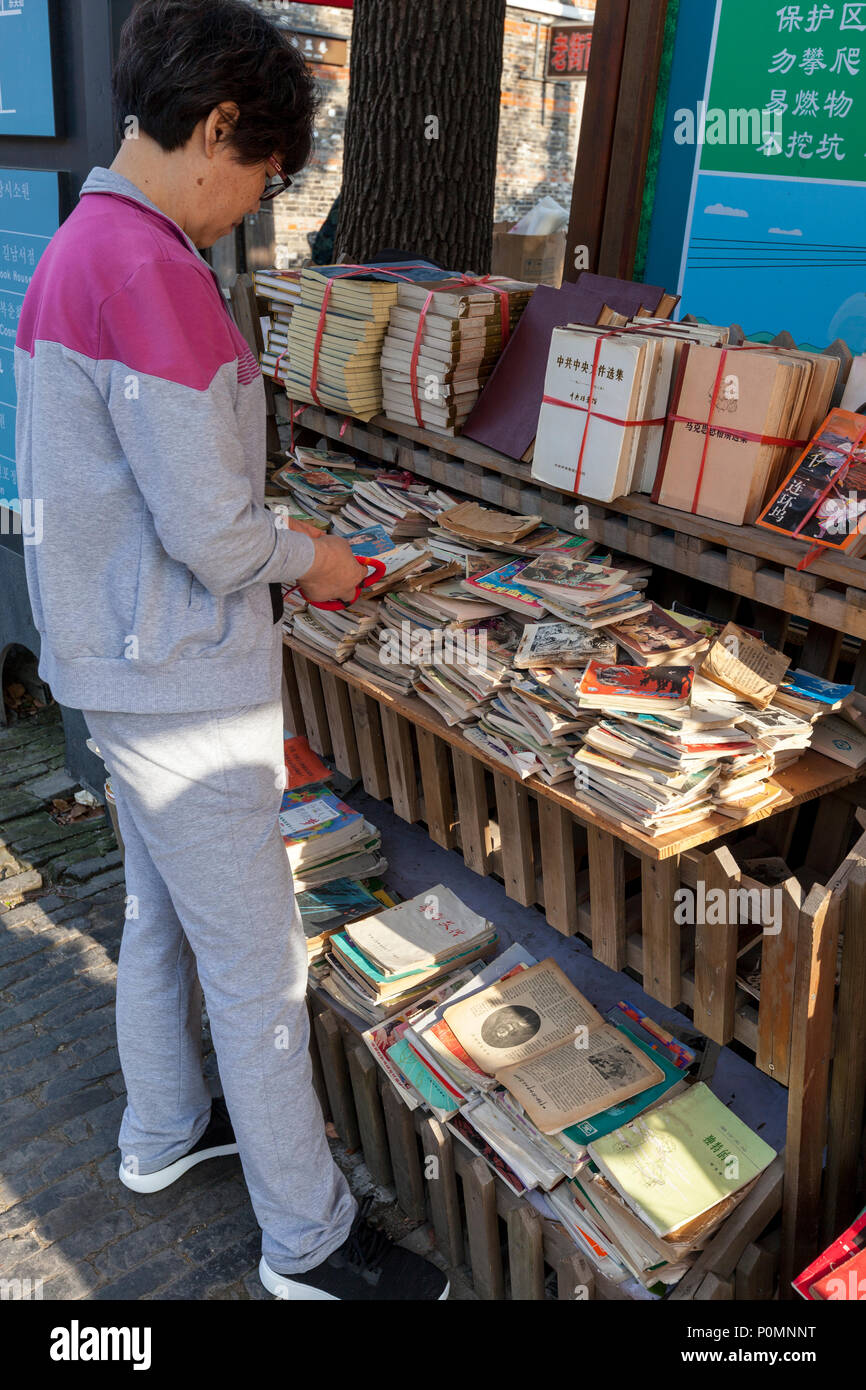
point(636, 687)
point(562, 644)
point(420, 932)
point(823, 499)
point(751, 669)
point(501, 585)
point(673, 1164)
point(655, 638)
point(837, 739)
point(547, 1045)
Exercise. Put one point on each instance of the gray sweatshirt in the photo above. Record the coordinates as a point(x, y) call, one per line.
point(141, 429)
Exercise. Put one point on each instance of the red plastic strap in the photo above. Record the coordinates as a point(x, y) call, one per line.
point(743, 434)
point(812, 555)
point(714, 400)
point(603, 337)
point(611, 419)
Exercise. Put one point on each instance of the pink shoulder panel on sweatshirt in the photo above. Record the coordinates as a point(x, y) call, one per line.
point(117, 283)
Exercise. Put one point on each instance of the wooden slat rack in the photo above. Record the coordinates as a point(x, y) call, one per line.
point(743, 560)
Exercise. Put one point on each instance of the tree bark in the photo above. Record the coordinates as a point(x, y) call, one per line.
point(419, 167)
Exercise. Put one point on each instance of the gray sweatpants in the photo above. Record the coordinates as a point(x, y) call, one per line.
point(210, 899)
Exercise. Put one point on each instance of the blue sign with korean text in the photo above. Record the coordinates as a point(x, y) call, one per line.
point(29, 217)
point(26, 89)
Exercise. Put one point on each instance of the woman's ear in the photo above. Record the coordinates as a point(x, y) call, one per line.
point(219, 125)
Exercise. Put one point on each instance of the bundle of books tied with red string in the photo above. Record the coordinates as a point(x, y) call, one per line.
point(738, 417)
point(334, 340)
point(442, 340)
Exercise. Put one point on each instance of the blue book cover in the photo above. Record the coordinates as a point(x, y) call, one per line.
point(814, 688)
point(305, 815)
point(373, 540)
point(608, 1120)
point(504, 581)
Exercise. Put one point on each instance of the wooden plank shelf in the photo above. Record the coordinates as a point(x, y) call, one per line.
point(579, 868)
point(813, 776)
point(744, 560)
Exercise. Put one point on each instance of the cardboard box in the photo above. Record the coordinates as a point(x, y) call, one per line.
point(538, 259)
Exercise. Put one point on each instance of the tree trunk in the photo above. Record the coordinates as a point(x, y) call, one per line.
point(419, 167)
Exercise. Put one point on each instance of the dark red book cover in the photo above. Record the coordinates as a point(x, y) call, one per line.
point(505, 416)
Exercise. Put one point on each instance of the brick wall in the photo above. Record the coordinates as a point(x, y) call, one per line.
point(539, 125)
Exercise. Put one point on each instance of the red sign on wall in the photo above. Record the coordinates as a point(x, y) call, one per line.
point(568, 50)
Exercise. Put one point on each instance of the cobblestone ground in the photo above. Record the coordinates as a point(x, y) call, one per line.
point(66, 1222)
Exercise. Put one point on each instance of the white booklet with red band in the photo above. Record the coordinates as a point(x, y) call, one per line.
point(594, 391)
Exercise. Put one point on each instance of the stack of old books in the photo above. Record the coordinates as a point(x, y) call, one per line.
point(738, 417)
point(282, 291)
point(399, 502)
point(326, 910)
point(319, 491)
point(454, 332)
point(587, 594)
point(644, 765)
point(605, 1134)
point(384, 961)
point(326, 840)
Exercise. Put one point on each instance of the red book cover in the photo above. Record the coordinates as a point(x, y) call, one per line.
point(849, 1243)
point(846, 1283)
point(647, 682)
point(303, 767)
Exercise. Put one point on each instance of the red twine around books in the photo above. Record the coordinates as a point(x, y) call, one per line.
point(419, 332)
point(350, 271)
point(597, 415)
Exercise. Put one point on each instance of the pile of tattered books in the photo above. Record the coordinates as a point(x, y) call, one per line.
point(385, 961)
point(552, 659)
point(591, 1119)
point(325, 839)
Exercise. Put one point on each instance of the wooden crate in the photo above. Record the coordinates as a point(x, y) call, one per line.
point(617, 890)
point(505, 1247)
point(613, 886)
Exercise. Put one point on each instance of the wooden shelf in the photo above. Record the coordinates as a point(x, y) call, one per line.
point(813, 776)
point(744, 560)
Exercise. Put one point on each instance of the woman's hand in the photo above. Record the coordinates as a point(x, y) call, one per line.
point(334, 573)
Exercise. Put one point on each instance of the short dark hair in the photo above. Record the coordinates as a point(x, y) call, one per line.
point(178, 59)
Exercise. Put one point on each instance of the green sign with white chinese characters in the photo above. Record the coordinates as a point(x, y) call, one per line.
point(805, 66)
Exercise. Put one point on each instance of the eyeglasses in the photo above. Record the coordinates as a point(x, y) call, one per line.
point(275, 186)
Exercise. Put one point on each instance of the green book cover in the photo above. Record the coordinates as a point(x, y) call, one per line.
point(674, 1163)
point(597, 1126)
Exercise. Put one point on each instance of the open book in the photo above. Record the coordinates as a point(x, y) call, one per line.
point(550, 1048)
